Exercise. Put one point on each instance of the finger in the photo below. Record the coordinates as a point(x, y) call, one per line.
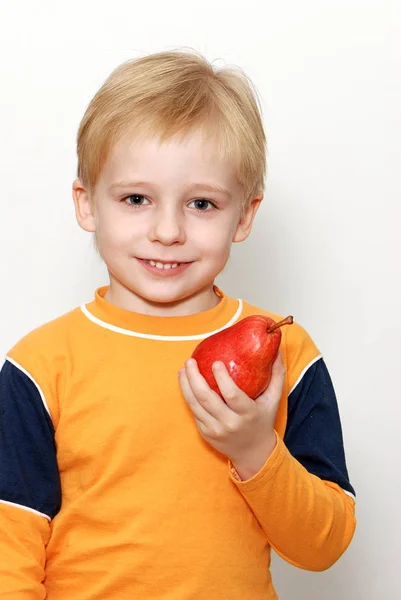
point(207, 397)
point(197, 409)
point(275, 387)
point(235, 398)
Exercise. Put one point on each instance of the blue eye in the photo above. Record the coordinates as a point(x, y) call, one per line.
point(135, 200)
point(203, 205)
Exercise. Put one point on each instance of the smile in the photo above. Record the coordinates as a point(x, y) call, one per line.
point(164, 269)
point(160, 265)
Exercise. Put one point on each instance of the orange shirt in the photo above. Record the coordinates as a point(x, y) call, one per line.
point(107, 490)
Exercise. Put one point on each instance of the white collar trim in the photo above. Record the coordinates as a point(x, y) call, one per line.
point(163, 338)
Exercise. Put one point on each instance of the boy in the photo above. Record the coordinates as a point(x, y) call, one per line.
point(122, 474)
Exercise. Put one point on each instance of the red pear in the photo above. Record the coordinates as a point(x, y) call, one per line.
point(248, 350)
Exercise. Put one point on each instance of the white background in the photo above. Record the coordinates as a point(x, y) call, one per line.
point(326, 245)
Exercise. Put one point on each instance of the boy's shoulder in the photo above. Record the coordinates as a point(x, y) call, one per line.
point(42, 357)
point(46, 340)
point(297, 346)
point(294, 334)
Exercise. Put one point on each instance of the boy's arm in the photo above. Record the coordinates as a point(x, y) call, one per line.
point(302, 496)
point(30, 493)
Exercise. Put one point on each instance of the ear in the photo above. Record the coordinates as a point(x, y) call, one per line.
point(83, 207)
point(244, 226)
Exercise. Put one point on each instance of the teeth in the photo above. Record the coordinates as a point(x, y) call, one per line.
point(160, 265)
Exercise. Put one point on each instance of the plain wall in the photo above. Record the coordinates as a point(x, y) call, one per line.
point(326, 244)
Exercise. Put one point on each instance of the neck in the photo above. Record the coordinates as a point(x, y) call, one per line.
point(125, 298)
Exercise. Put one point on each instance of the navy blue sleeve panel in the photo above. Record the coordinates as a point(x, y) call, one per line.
point(29, 475)
point(313, 434)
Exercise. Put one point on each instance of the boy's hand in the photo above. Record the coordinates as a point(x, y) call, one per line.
point(240, 428)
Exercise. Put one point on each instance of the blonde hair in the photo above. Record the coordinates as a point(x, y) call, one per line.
point(169, 93)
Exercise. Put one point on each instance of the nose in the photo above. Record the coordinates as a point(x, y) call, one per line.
point(168, 226)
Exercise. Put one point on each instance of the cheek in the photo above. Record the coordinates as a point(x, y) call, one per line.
point(216, 244)
point(221, 234)
point(114, 230)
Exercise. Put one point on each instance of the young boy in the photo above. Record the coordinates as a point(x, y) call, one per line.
point(122, 474)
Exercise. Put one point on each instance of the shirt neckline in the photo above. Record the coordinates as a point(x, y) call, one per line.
point(187, 327)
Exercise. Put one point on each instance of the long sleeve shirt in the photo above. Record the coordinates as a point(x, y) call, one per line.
point(107, 489)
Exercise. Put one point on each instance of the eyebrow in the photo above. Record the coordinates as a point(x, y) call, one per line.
point(196, 186)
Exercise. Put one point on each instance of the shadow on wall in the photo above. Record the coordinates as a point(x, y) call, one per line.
point(263, 269)
point(337, 583)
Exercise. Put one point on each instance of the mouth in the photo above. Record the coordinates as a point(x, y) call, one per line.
point(163, 264)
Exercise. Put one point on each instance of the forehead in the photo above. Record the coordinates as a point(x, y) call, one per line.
point(185, 158)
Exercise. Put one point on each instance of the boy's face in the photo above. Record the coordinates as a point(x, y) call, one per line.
point(157, 202)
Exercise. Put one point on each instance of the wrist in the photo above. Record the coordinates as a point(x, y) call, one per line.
point(250, 463)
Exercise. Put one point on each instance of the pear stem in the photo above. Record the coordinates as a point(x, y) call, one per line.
point(287, 321)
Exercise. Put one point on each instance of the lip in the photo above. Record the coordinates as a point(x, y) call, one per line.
point(164, 272)
point(165, 262)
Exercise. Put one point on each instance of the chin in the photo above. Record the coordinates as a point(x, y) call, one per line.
point(164, 298)
point(164, 292)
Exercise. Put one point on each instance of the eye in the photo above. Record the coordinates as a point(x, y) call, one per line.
point(135, 200)
point(203, 205)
